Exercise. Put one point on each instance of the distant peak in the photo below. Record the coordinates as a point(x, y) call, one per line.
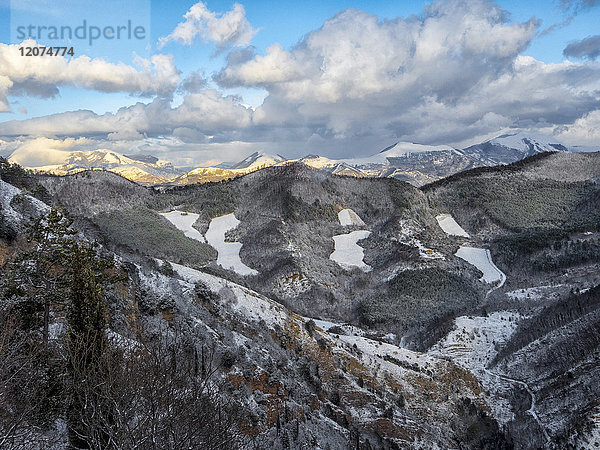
point(389, 148)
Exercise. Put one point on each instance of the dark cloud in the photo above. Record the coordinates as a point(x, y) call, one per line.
point(193, 83)
point(588, 48)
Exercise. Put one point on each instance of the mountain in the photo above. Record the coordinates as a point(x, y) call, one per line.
point(257, 161)
point(350, 312)
point(145, 169)
point(415, 163)
point(509, 148)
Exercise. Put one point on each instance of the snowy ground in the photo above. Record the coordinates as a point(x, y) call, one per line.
point(450, 227)
point(248, 303)
point(535, 293)
point(349, 217)
point(7, 193)
point(347, 253)
point(407, 237)
point(228, 252)
point(482, 259)
point(183, 221)
point(472, 344)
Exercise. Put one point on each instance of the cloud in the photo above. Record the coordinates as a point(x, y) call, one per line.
point(224, 29)
point(42, 76)
point(357, 84)
point(584, 131)
point(43, 151)
point(207, 112)
point(588, 48)
point(194, 82)
point(578, 5)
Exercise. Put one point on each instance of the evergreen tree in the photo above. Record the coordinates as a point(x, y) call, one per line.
point(37, 278)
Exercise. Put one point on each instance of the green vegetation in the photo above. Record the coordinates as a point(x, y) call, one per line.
point(296, 210)
point(427, 294)
point(544, 250)
point(519, 204)
point(209, 199)
point(144, 230)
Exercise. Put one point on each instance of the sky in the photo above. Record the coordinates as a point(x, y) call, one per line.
point(199, 83)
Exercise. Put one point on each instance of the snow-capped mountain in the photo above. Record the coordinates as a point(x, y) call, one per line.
point(145, 169)
point(417, 164)
point(258, 160)
point(508, 148)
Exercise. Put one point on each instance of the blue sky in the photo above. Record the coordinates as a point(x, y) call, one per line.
point(241, 71)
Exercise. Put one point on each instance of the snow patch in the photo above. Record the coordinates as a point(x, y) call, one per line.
point(183, 221)
point(482, 259)
point(347, 253)
point(228, 252)
point(450, 227)
point(348, 217)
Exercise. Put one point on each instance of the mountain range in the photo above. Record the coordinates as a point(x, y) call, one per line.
point(347, 312)
point(415, 163)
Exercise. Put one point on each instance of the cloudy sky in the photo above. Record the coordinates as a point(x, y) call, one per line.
point(199, 83)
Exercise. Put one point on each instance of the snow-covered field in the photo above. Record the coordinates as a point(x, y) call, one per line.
point(450, 227)
point(482, 259)
point(349, 217)
point(183, 221)
point(228, 252)
point(347, 253)
point(472, 341)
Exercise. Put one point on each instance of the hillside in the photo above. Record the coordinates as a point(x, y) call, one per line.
point(468, 280)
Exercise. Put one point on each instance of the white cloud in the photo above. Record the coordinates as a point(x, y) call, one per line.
point(224, 29)
point(43, 151)
point(356, 85)
point(41, 76)
point(207, 112)
point(584, 131)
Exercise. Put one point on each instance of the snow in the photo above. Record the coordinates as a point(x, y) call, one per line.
point(472, 344)
point(482, 259)
point(183, 221)
point(407, 237)
point(348, 217)
point(248, 303)
point(472, 341)
point(535, 293)
point(398, 150)
point(450, 227)
point(347, 253)
point(7, 193)
point(228, 252)
point(517, 141)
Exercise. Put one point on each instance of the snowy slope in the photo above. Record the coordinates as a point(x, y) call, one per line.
point(144, 169)
point(348, 217)
point(400, 149)
point(258, 160)
point(13, 217)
